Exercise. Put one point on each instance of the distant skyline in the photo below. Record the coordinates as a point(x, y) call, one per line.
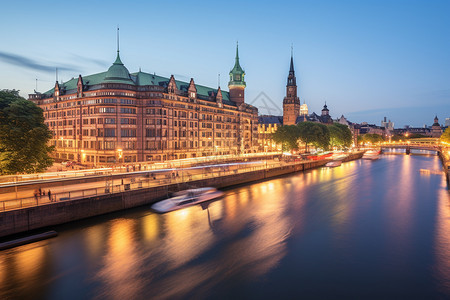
point(366, 59)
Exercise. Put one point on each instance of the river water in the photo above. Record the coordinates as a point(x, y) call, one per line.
point(367, 229)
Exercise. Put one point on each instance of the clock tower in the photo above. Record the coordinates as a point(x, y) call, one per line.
point(291, 103)
point(237, 83)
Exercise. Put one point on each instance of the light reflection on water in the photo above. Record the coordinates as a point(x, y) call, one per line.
point(362, 225)
point(442, 241)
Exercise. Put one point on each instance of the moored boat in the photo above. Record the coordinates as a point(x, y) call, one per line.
point(187, 198)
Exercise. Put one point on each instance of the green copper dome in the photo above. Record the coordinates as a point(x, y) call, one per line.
point(237, 73)
point(118, 72)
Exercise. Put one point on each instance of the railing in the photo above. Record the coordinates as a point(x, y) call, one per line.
point(144, 166)
point(110, 186)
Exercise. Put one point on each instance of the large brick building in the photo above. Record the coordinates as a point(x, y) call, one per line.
point(120, 117)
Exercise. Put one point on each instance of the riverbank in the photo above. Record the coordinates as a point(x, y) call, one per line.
point(445, 159)
point(31, 218)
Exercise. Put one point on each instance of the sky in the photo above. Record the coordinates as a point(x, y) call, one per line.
point(366, 59)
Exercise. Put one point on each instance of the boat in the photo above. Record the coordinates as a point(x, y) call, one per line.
point(372, 154)
point(186, 198)
point(334, 163)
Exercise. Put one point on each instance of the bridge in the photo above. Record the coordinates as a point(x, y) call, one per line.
point(427, 144)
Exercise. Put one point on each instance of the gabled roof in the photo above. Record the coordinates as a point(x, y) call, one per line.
point(270, 119)
point(142, 79)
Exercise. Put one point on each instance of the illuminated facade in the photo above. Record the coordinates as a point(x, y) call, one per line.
point(121, 117)
point(267, 125)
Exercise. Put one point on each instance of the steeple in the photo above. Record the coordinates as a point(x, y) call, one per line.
point(237, 73)
point(118, 61)
point(292, 81)
point(291, 69)
point(237, 83)
point(291, 103)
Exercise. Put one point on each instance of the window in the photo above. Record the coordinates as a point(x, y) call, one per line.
point(128, 132)
point(110, 132)
point(108, 110)
point(127, 121)
point(127, 110)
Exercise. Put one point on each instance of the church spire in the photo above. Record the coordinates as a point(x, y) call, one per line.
point(292, 81)
point(291, 69)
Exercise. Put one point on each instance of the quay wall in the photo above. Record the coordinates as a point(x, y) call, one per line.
point(31, 218)
point(446, 164)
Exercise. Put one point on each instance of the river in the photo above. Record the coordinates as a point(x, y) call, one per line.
point(367, 229)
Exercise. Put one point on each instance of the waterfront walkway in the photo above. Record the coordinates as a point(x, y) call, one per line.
point(36, 192)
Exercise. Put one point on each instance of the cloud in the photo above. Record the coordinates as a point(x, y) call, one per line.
point(25, 62)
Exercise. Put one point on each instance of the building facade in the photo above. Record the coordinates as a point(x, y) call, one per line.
point(121, 117)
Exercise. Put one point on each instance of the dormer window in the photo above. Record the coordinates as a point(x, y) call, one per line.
point(192, 95)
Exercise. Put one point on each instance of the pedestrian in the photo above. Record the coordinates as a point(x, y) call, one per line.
point(40, 191)
point(43, 192)
point(49, 193)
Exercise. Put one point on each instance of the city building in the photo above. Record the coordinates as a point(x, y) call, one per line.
point(121, 117)
point(436, 129)
point(267, 125)
point(303, 109)
point(387, 124)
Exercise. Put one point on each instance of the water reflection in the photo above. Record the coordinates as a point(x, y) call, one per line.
point(120, 273)
point(299, 233)
point(442, 240)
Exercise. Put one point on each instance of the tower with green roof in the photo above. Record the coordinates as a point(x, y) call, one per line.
point(237, 84)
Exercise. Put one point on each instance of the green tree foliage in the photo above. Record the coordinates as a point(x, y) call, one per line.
point(416, 136)
point(287, 136)
point(314, 133)
point(372, 138)
point(23, 135)
point(340, 135)
point(397, 137)
point(445, 137)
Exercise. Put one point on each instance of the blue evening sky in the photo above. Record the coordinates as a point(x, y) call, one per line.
point(366, 59)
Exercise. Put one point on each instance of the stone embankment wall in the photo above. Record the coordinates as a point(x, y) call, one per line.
point(31, 218)
point(445, 163)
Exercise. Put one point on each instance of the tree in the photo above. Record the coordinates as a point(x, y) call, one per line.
point(397, 137)
point(372, 138)
point(340, 135)
point(23, 135)
point(287, 136)
point(314, 133)
point(445, 137)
